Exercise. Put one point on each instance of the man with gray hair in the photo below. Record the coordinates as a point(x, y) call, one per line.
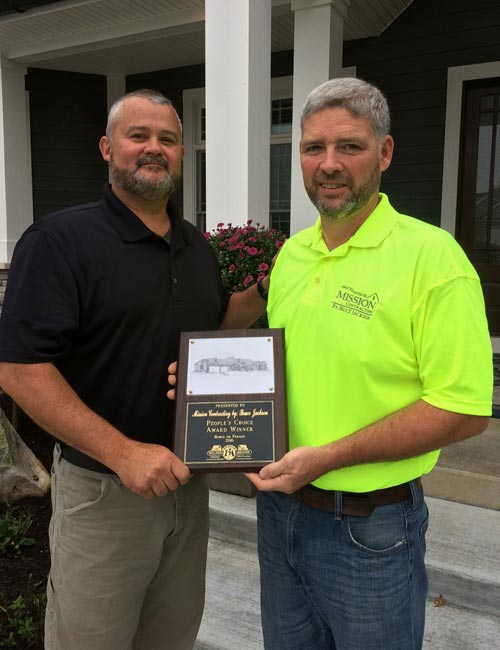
point(388, 358)
point(96, 298)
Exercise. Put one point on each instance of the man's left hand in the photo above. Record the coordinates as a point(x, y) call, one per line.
point(296, 469)
point(172, 379)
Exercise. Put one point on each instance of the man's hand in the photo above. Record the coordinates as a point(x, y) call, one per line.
point(296, 469)
point(172, 379)
point(150, 470)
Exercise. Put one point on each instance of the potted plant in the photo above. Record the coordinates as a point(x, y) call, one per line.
point(245, 254)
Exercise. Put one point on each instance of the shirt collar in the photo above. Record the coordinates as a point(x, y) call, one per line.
point(131, 228)
point(370, 234)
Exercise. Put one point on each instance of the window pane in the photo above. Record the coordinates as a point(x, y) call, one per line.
point(281, 116)
point(479, 257)
point(487, 103)
point(281, 167)
point(203, 129)
point(201, 190)
point(281, 221)
point(280, 186)
point(482, 180)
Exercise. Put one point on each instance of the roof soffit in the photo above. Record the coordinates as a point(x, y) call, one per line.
point(127, 37)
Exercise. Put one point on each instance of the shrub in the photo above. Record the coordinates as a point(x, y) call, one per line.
point(245, 253)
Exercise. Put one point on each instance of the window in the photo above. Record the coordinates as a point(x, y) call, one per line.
point(201, 190)
point(194, 187)
point(280, 153)
point(281, 116)
point(478, 217)
point(281, 164)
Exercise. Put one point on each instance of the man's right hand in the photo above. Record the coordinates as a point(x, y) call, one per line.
point(150, 470)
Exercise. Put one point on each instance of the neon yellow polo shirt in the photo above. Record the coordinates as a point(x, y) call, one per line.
point(394, 315)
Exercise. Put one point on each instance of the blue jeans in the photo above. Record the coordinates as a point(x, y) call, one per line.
point(333, 582)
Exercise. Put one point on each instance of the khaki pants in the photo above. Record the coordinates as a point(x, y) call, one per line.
point(127, 573)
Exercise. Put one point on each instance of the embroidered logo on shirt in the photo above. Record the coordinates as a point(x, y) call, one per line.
point(355, 303)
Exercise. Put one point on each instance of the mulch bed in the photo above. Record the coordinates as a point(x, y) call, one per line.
point(25, 573)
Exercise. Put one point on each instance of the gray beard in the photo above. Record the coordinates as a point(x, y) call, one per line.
point(138, 185)
point(354, 203)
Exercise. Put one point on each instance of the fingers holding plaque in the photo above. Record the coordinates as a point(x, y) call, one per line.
point(230, 409)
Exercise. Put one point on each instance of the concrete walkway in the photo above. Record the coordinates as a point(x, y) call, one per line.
point(463, 566)
point(463, 557)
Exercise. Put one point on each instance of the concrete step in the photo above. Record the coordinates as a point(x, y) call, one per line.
point(452, 628)
point(232, 608)
point(469, 471)
point(463, 555)
point(463, 562)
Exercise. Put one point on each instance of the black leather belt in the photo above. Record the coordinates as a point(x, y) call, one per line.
point(356, 504)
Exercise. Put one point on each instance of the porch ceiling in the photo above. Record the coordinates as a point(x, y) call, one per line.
point(129, 37)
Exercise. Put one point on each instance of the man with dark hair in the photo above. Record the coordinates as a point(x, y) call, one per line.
point(96, 298)
point(388, 358)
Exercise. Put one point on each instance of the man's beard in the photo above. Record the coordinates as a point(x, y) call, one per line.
point(352, 204)
point(135, 183)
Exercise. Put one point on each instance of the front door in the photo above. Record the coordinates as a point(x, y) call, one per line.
point(478, 218)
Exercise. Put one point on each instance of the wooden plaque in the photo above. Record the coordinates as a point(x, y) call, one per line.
point(230, 410)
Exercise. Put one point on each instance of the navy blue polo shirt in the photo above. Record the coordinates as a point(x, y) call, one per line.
point(92, 290)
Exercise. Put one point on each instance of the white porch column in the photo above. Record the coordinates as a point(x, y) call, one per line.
point(16, 195)
point(115, 87)
point(238, 79)
point(318, 49)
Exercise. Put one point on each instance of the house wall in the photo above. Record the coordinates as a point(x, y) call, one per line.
point(68, 117)
point(409, 62)
point(174, 81)
point(170, 82)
